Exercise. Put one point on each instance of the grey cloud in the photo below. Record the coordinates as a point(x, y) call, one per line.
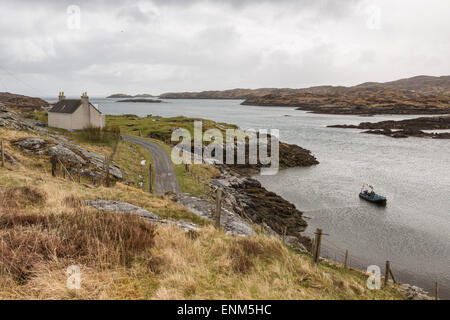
point(159, 46)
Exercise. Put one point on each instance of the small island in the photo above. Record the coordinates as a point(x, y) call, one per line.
point(141, 100)
point(124, 95)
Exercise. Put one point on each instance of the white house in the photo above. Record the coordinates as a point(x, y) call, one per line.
point(75, 114)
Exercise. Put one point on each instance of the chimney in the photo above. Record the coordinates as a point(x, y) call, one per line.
point(85, 99)
point(61, 96)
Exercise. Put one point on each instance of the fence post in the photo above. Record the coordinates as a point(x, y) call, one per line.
point(3, 154)
point(54, 163)
point(317, 242)
point(79, 172)
point(386, 276)
point(392, 275)
point(346, 258)
point(218, 206)
point(437, 291)
point(150, 171)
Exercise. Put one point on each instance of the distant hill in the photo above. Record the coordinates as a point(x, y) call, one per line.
point(226, 94)
point(421, 84)
point(354, 100)
point(123, 95)
point(20, 102)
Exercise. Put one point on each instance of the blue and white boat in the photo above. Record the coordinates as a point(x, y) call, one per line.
point(371, 196)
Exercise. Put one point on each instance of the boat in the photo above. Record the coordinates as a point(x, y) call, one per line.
point(371, 196)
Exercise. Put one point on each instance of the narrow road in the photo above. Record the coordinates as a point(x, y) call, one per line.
point(165, 179)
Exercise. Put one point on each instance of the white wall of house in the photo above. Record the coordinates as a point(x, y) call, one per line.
point(84, 116)
point(60, 120)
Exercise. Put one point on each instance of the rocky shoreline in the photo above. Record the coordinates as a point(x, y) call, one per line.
point(245, 196)
point(371, 110)
point(406, 128)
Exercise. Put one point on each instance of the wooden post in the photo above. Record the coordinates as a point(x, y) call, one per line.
point(437, 291)
point(386, 275)
point(63, 167)
point(218, 206)
point(346, 258)
point(54, 163)
point(150, 171)
point(392, 275)
point(79, 172)
point(3, 154)
point(283, 239)
point(317, 243)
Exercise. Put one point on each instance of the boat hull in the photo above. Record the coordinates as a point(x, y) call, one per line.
point(377, 200)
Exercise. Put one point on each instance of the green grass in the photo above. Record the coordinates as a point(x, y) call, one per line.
point(160, 128)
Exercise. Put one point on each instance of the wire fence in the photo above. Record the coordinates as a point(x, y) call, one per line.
point(329, 250)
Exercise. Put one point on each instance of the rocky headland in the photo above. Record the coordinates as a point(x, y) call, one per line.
point(245, 196)
point(406, 128)
point(362, 101)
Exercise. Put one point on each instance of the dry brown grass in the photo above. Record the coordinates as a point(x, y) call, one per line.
point(19, 197)
point(91, 238)
point(73, 202)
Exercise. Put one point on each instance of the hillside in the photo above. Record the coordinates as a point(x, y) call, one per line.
point(359, 100)
point(165, 251)
point(421, 84)
point(20, 102)
point(226, 94)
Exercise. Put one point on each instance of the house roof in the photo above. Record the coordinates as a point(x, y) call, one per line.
point(68, 106)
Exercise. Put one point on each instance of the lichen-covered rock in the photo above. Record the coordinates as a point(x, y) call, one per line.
point(97, 160)
point(232, 223)
point(117, 206)
point(65, 154)
point(34, 145)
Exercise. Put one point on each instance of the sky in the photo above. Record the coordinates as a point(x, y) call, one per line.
point(105, 47)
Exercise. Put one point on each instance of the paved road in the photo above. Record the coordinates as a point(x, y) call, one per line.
point(165, 178)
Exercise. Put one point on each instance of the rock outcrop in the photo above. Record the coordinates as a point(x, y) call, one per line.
point(246, 197)
point(72, 155)
point(232, 223)
point(124, 207)
point(406, 128)
point(117, 206)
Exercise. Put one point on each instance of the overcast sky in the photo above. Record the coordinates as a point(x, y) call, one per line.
point(160, 46)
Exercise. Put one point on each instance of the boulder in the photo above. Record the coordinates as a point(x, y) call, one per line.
point(33, 145)
point(232, 223)
point(117, 206)
point(65, 154)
